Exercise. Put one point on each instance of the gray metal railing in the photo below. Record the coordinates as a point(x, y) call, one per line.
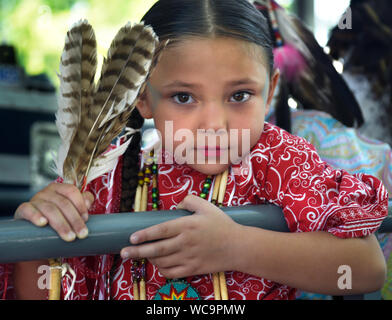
point(20, 240)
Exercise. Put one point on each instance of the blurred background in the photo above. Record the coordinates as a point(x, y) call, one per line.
point(37, 27)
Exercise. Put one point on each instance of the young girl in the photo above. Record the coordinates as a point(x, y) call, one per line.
point(217, 75)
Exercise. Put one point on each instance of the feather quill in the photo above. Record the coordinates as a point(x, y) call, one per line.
point(106, 107)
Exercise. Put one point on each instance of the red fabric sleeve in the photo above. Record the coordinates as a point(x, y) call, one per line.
point(314, 196)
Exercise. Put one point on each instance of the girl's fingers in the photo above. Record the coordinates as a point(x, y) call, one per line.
point(28, 212)
point(160, 231)
point(175, 272)
point(169, 261)
point(152, 250)
point(88, 200)
point(60, 205)
point(72, 193)
point(65, 207)
point(55, 218)
point(196, 204)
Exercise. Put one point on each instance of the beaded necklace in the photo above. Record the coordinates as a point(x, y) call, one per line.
point(175, 289)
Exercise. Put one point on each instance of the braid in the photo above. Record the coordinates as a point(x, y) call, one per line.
point(130, 171)
point(131, 164)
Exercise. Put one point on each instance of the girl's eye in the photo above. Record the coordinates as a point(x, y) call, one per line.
point(183, 98)
point(241, 96)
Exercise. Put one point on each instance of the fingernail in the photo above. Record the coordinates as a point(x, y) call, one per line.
point(180, 206)
point(83, 233)
point(124, 254)
point(85, 216)
point(42, 221)
point(88, 203)
point(134, 238)
point(70, 236)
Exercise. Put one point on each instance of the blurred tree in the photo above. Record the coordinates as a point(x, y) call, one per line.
point(37, 28)
point(56, 5)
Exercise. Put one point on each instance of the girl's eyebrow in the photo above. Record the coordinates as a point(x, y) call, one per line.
point(178, 83)
point(243, 81)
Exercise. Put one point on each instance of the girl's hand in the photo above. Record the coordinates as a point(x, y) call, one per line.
point(62, 206)
point(191, 245)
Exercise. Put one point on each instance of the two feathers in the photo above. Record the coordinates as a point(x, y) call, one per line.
point(90, 116)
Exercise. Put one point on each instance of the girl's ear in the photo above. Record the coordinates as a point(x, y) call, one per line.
point(143, 105)
point(274, 82)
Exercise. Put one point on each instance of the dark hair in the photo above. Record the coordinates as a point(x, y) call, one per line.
point(178, 19)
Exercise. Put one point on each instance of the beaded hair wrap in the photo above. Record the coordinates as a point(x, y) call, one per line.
point(145, 176)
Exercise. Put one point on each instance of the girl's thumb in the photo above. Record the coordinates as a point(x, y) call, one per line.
point(194, 204)
point(88, 198)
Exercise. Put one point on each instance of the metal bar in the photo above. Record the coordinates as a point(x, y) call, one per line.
point(20, 240)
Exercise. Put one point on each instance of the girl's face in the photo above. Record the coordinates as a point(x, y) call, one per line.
point(208, 99)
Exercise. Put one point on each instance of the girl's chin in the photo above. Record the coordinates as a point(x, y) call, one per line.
point(209, 169)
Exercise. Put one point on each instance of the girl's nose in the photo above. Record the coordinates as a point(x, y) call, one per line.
point(213, 116)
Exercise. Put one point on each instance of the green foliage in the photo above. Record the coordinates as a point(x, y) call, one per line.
point(56, 5)
point(37, 28)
